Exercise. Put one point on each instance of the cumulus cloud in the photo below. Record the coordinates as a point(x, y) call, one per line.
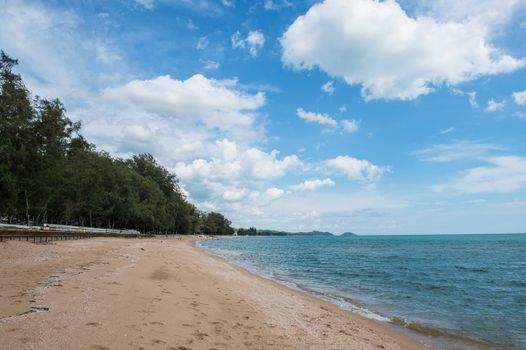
point(254, 41)
point(519, 97)
point(377, 45)
point(232, 165)
point(504, 174)
point(236, 175)
point(216, 103)
point(175, 120)
point(356, 169)
point(457, 150)
point(312, 185)
point(495, 106)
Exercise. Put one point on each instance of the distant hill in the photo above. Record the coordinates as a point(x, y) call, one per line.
point(348, 234)
point(311, 233)
point(253, 232)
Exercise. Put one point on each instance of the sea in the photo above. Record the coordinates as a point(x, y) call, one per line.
point(450, 291)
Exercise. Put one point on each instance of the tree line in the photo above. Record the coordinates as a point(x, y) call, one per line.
point(49, 173)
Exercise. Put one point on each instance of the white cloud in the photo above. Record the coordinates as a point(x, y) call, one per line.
point(318, 118)
point(237, 40)
point(216, 103)
point(274, 193)
point(458, 150)
point(519, 97)
point(312, 185)
point(231, 165)
point(254, 41)
point(504, 175)
point(447, 131)
point(237, 175)
point(104, 51)
point(148, 4)
point(349, 126)
point(52, 58)
point(270, 5)
point(175, 120)
point(490, 12)
point(393, 56)
point(209, 64)
point(356, 169)
point(191, 25)
point(202, 43)
point(228, 3)
point(494, 106)
point(473, 99)
point(472, 95)
point(328, 87)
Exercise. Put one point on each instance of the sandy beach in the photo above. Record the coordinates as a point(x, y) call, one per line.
point(107, 293)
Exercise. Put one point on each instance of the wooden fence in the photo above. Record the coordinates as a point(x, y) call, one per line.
point(43, 236)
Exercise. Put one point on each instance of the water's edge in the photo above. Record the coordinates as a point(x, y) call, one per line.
point(431, 337)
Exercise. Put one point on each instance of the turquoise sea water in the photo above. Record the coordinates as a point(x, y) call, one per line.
point(452, 286)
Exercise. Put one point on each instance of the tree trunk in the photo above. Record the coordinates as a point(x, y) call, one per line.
point(27, 207)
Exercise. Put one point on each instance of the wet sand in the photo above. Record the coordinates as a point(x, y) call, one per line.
point(106, 293)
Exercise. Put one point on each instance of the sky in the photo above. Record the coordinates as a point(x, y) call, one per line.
point(375, 117)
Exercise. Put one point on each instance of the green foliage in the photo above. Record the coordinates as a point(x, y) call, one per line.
point(247, 232)
point(50, 174)
point(216, 224)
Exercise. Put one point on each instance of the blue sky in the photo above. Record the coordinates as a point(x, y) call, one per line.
point(338, 115)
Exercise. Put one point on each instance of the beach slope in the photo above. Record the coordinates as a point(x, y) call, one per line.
point(108, 293)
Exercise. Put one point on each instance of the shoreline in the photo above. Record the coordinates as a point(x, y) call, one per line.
point(163, 293)
point(382, 325)
point(427, 336)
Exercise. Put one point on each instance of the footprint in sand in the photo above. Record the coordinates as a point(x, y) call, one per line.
point(200, 335)
point(98, 347)
point(157, 323)
point(25, 340)
point(92, 324)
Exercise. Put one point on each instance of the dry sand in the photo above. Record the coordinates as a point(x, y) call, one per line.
point(101, 294)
